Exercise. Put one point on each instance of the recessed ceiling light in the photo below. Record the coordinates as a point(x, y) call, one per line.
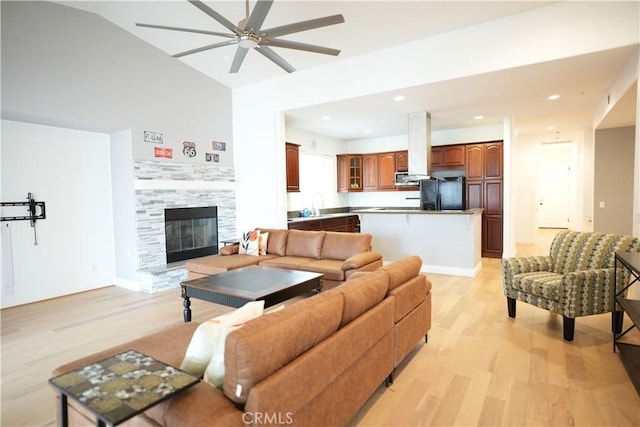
point(550, 127)
point(553, 97)
point(478, 117)
point(326, 117)
point(399, 98)
point(367, 131)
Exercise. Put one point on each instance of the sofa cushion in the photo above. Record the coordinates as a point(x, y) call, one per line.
point(205, 339)
point(545, 284)
point(268, 343)
point(402, 270)
point(277, 243)
point(409, 295)
point(331, 268)
point(362, 293)
point(341, 246)
point(305, 243)
point(290, 262)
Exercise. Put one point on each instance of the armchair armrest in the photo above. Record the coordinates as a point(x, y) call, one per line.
point(588, 292)
point(517, 265)
point(358, 260)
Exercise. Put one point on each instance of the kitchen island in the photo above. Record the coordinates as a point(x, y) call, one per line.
point(449, 242)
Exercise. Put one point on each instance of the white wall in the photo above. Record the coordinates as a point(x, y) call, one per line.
point(69, 171)
point(478, 49)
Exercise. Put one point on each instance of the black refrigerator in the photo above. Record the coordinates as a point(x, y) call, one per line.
point(442, 193)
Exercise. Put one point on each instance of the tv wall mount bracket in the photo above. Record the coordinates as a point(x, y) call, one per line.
point(33, 216)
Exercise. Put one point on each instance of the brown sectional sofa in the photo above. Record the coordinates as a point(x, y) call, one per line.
point(337, 255)
point(315, 362)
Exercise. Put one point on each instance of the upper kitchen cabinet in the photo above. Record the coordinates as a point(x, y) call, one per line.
point(473, 164)
point(349, 172)
point(484, 161)
point(387, 171)
point(369, 172)
point(448, 157)
point(402, 161)
point(293, 167)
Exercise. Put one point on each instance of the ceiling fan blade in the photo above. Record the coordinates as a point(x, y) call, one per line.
point(215, 15)
point(188, 30)
point(238, 59)
point(288, 44)
point(275, 58)
point(203, 48)
point(302, 26)
point(258, 15)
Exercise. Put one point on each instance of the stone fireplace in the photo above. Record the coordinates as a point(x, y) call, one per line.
point(161, 186)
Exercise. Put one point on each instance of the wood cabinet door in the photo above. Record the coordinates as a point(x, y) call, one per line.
point(473, 162)
point(293, 167)
point(402, 161)
point(475, 194)
point(355, 172)
point(492, 159)
point(436, 156)
point(342, 166)
point(369, 172)
point(453, 155)
point(386, 171)
point(492, 237)
point(493, 198)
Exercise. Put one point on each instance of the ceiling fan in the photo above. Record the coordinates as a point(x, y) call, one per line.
point(248, 34)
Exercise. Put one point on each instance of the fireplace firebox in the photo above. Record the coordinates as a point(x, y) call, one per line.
point(191, 232)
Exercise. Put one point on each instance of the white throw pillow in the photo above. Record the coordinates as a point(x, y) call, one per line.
point(208, 334)
point(250, 243)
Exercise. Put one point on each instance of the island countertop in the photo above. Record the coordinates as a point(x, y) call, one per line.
point(417, 211)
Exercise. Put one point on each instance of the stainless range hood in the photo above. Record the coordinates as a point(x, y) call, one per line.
point(419, 143)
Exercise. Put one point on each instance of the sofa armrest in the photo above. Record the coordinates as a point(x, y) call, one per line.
point(588, 292)
point(229, 250)
point(517, 265)
point(358, 260)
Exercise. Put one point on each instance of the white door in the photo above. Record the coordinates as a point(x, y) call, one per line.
point(554, 179)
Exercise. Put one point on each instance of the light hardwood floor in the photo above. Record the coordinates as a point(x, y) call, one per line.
point(479, 367)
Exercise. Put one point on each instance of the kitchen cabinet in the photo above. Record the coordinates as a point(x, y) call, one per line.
point(370, 172)
point(436, 157)
point(629, 351)
point(448, 157)
point(293, 167)
point(484, 189)
point(386, 171)
point(349, 172)
point(348, 223)
point(402, 161)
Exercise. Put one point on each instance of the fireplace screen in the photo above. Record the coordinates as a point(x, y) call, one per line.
point(191, 232)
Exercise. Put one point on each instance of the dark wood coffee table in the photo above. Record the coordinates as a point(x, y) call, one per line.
point(237, 287)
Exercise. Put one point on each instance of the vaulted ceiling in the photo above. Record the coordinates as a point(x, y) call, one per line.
point(374, 25)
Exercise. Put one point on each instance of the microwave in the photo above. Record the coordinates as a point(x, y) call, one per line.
point(403, 179)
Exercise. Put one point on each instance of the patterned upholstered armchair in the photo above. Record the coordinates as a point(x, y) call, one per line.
point(575, 279)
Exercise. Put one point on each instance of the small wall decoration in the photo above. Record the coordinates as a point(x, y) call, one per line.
point(189, 148)
point(219, 146)
point(155, 137)
point(211, 157)
point(163, 153)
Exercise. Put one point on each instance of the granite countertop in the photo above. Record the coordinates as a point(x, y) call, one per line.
point(321, 216)
point(418, 211)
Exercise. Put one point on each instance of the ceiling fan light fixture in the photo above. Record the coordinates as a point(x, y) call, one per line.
point(248, 40)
